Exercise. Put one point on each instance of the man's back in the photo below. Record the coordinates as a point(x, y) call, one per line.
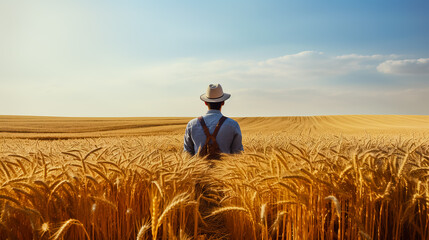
point(229, 137)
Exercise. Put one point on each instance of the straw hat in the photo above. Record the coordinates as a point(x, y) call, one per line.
point(214, 94)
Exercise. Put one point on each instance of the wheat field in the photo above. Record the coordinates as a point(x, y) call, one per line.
point(321, 177)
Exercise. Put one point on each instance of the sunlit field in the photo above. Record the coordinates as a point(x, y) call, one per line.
point(325, 177)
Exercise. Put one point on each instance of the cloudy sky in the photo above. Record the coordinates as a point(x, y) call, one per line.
point(154, 58)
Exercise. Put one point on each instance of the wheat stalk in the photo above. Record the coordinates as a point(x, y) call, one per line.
point(65, 226)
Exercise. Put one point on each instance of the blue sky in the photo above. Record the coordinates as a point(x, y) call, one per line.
point(276, 58)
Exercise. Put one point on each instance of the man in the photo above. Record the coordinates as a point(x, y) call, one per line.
point(219, 131)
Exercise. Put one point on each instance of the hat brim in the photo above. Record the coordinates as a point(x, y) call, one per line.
point(224, 97)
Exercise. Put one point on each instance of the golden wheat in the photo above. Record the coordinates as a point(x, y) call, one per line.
point(282, 187)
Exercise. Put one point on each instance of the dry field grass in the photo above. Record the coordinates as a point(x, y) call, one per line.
point(325, 177)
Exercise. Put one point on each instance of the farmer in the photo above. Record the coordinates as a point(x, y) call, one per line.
point(212, 134)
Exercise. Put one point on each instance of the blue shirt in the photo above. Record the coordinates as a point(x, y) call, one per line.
point(228, 138)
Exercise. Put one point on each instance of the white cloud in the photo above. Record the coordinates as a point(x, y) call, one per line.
point(405, 67)
point(320, 64)
point(363, 57)
point(288, 70)
point(294, 84)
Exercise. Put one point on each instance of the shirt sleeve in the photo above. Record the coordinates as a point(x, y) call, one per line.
point(237, 145)
point(188, 144)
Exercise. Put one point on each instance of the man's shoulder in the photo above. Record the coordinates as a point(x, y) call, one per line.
point(231, 122)
point(192, 122)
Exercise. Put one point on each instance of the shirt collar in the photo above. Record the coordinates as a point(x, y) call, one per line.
point(213, 111)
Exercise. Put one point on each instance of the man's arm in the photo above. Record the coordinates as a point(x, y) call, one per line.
point(188, 144)
point(237, 145)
